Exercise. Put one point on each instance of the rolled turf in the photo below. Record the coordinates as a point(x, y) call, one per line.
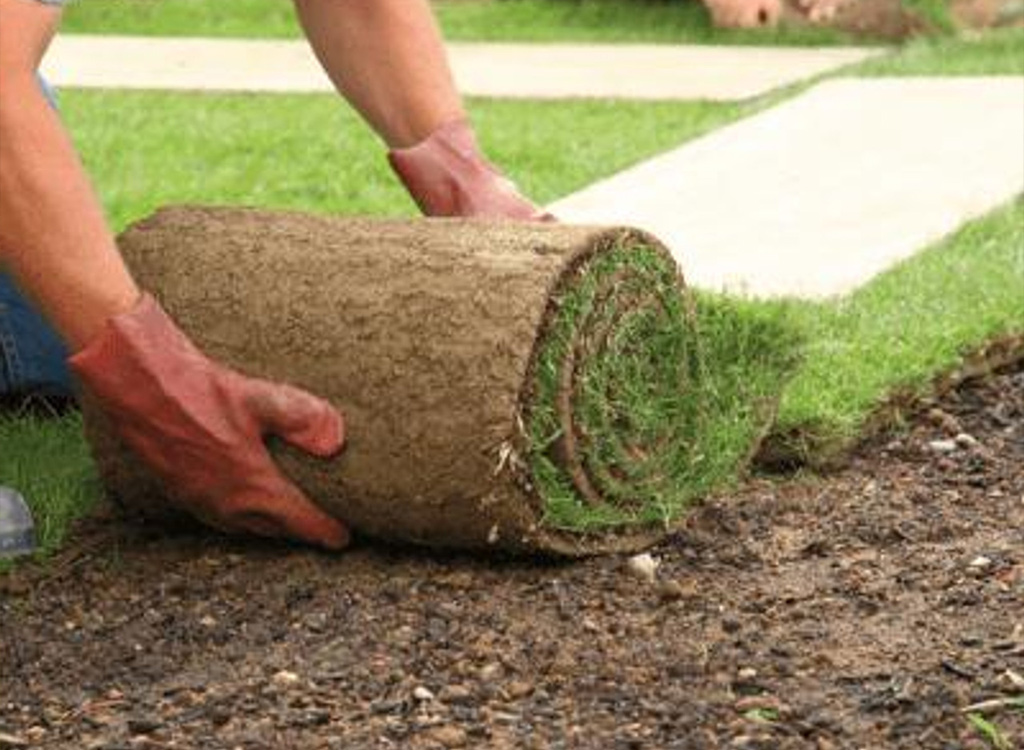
point(540, 388)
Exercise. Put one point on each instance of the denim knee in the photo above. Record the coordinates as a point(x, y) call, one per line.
point(32, 356)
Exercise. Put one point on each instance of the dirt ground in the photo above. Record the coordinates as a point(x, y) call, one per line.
point(864, 609)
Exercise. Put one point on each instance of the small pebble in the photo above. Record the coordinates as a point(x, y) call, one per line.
point(456, 694)
point(1015, 680)
point(422, 694)
point(981, 561)
point(746, 674)
point(643, 567)
point(449, 736)
point(284, 677)
point(942, 446)
point(964, 440)
point(518, 689)
point(489, 672)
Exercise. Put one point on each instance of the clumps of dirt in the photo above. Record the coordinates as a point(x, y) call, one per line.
point(896, 20)
point(879, 606)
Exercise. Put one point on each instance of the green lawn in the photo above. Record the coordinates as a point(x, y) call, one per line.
point(901, 330)
point(498, 20)
point(148, 149)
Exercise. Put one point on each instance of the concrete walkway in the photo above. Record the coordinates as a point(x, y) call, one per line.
point(810, 198)
point(820, 193)
point(499, 70)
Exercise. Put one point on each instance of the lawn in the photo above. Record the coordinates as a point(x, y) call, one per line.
point(897, 333)
point(659, 21)
point(148, 149)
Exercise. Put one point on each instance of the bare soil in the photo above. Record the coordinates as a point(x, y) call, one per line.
point(863, 609)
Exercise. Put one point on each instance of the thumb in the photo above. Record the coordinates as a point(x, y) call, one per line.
point(305, 421)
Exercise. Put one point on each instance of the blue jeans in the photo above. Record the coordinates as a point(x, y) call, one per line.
point(32, 356)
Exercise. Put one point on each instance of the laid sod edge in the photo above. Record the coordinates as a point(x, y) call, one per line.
point(816, 445)
point(950, 313)
point(643, 398)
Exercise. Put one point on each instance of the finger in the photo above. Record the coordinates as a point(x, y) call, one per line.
point(305, 421)
point(770, 13)
point(289, 514)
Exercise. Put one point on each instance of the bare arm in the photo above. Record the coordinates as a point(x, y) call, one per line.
point(53, 237)
point(386, 57)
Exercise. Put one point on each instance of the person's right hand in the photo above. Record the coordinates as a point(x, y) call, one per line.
point(744, 14)
point(199, 427)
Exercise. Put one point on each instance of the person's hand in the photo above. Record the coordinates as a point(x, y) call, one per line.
point(199, 427)
point(447, 175)
point(744, 14)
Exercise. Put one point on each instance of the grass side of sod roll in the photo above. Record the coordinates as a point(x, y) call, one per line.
point(643, 398)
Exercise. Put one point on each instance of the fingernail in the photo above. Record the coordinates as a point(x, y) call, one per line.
point(336, 538)
point(330, 435)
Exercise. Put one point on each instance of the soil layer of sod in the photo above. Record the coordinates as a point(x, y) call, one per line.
point(867, 608)
point(531, 387)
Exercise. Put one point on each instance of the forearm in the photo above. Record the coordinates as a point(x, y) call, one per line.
point(53, 237)
point(387, 58)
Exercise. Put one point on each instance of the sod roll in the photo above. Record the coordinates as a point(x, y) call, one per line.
point(520, 386)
